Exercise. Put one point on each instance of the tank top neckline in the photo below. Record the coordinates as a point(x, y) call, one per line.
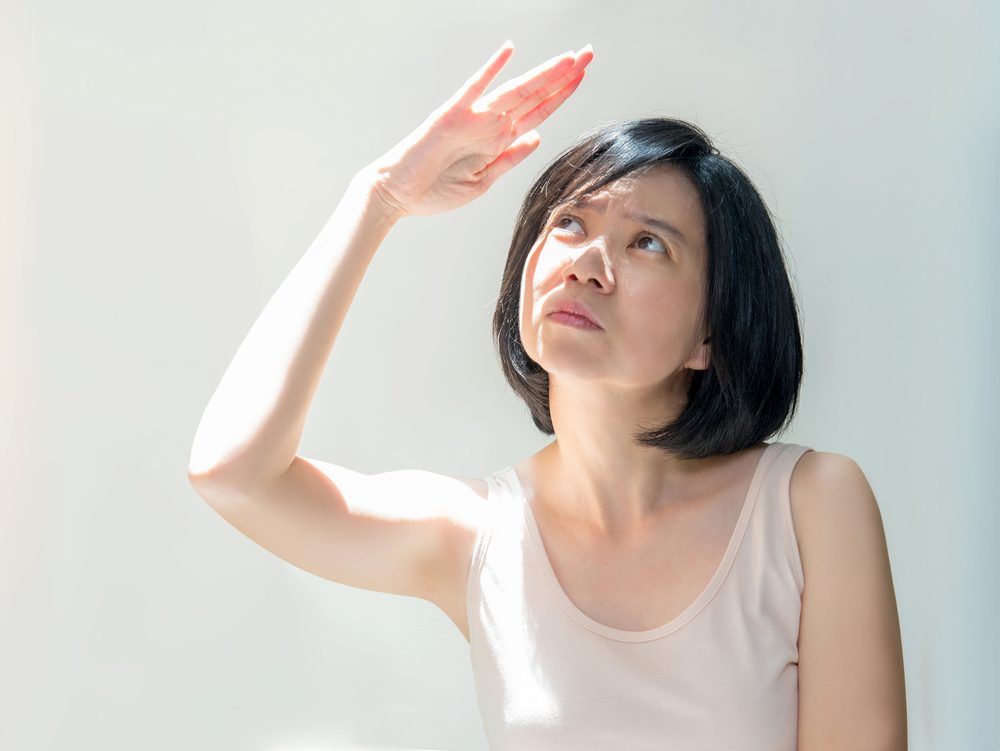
point(703, 599)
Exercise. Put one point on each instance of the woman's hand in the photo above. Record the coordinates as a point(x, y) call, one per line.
point(461, 149)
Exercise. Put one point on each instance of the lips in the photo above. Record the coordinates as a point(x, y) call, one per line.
point(576, 308)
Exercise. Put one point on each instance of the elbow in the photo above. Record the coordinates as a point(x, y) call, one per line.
point(215, 487)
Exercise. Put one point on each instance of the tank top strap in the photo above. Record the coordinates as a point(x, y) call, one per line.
point(780, 478)
point(499, 484)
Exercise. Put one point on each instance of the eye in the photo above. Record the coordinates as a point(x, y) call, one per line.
point(563, 218)
point(568, 217)
point(655, 238)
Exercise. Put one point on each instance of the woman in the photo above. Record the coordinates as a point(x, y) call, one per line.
point(657, 576)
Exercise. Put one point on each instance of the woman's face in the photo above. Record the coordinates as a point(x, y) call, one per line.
point(642, 282)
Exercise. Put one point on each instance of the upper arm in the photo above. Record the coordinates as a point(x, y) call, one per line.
point(391, 532)
point(851, 685)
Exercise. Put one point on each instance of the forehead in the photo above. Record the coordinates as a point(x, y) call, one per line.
point(659, 186)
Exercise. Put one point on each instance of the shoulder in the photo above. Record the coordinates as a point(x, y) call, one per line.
point(827, 465)
point(832, 505)
point(478, 486)
point(466, 518)
point(828, 488)
point(466, 506)
point(851, 684)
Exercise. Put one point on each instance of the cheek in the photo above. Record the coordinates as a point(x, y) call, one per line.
point(663, 321)
point(528, 298)
point(547, 265)
point(541, 267)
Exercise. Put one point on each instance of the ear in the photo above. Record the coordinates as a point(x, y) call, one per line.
point(701, 357)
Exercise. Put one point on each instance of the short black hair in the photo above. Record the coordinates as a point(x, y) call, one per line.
point(750, 389)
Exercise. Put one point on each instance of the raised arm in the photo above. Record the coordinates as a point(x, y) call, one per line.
point(404, 531)
point(251, 429)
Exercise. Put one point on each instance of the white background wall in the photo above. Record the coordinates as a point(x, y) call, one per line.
point(164, 165)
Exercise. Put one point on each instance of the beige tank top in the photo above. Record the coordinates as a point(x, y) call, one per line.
point(722, 674)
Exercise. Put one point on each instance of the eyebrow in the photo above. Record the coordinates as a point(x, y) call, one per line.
point(660, 224)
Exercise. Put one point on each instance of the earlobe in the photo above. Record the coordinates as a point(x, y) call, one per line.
point(704, 356)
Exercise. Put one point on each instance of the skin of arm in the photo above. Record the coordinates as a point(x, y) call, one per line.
point(251, 429)
point(852, 692)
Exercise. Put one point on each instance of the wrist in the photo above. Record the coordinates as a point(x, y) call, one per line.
point(369, 181)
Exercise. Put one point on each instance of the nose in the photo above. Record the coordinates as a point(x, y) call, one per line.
point(592, 263)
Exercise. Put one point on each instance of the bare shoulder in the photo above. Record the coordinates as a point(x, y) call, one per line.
point(825, 483)
point(477, 485)
point(466, 517)
point(824, 474)
point(467, 503)
point(828, 489)
point(466, 513)
point(851, 676)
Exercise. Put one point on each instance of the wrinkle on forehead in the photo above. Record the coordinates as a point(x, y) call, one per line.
point(668, 204)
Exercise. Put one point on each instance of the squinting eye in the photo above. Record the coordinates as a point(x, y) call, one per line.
point(567, 217)
point(562, 219)
point(651, 238)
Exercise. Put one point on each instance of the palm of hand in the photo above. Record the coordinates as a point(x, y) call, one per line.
point(461, 149)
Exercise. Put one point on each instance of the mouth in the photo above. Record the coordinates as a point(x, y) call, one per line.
point(569, 310)
point(573, 320)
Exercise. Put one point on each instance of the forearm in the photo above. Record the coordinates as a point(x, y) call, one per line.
point(251, 429)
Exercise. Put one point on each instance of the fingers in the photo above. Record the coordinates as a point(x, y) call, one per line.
point(474, 87)
point(506, 97)
point(524, 93)
point(548, 106)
